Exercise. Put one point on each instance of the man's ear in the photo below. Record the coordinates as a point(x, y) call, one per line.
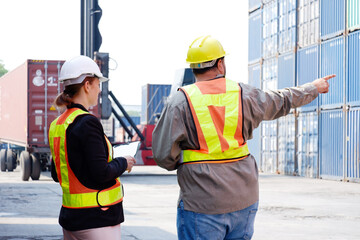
point(220, 65)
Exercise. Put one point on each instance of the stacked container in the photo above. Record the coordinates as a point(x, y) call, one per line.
point(303, 40)
point(153, 101)
point(255, 66)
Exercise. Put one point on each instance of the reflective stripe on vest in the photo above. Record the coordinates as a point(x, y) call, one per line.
point(75, 194)
point(216, 107)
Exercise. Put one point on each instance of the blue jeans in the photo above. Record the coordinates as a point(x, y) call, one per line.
point(198, 226)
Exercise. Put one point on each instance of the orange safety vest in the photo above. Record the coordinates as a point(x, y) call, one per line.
point(75, 194)
point(216, 107)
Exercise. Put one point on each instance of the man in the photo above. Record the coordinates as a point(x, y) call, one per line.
point(202, 133)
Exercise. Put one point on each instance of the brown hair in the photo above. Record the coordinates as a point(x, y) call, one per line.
point(66, 97)
point(204, 70)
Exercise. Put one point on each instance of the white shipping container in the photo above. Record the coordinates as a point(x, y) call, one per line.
point(308, 23)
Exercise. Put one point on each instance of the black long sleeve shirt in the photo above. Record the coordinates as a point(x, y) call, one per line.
point(87, 155)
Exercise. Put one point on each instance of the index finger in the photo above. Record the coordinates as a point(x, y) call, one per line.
point(329, 77)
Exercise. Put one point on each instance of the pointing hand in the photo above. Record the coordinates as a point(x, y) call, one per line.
point(322, 84)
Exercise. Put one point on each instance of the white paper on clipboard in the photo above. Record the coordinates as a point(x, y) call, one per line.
point(128, 149)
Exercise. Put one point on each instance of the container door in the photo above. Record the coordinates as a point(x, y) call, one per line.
point(43, 88)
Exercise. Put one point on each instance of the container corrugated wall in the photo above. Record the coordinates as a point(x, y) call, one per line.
point(353, 145)
point(254, 144)
point(308, 22)
point(332, 62)
point(255, 75)
point(153, 100)
point(353, 69)
point(286, 70)
point(286, 144)
point(332, 144)
point(307, 144)
point(307, 71)
point(269, 128)
point(332, 14)
point(287, 25)
point(353, 14)
point(255, 27)
point(269, 146)
point(254, 5)
point(270, 29)
point(269, 74)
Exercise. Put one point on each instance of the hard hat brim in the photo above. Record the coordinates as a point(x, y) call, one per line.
point(80, 79)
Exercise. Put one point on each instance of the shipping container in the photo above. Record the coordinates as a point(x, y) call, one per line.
point(255, 143)
point(286, 144)
point(153, 100)
point(287, 26)
point(307, 144)
point(307, 71)
point(353, 14)
point(254, 5)
point(270, 29)
point(255, 27)
point(286, 70)
point(255, 75)
point(269, 74)
point(353, 145)
point(26, 110)
point(353, 69)
point(332, 18)
point(332, 62)
point(269, 143)
point(332, 144)
point(308, 23)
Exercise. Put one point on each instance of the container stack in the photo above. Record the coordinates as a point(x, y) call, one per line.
point(301, 41)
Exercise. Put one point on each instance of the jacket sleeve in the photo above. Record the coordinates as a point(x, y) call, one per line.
point(174, 131)
point(261, 105)
point(88, 138)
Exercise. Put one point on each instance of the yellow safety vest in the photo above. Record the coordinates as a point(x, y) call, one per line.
point(216, 107)
point(75, 194)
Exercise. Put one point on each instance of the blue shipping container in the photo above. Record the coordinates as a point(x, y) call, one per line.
point(153, 100)
point(287, 25)
point(254, 145)
point(255, 75)
point(286, 71)
point(286, 144)
point(254, 4)
point(332, 62)
point(269, 74)
point(353, 69)
point(353, 145)
point(270, 29)
point(307, 71)
point(332, 144)
point(255, 27)
point(332, 18)
point(308, 23)
point(307, 145)
point(268, 146)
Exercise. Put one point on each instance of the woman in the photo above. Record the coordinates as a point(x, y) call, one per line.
point(82, 158)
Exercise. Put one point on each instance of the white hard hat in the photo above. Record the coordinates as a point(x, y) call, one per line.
point(74, 71)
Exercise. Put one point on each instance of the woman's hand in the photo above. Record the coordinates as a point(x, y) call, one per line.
point(130, 162)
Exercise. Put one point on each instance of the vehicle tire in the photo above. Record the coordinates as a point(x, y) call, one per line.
point(36, 167)
point(3, 160)
point(10, 160)
point(25, 164)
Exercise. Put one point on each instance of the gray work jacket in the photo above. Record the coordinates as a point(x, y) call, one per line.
point(220, 188)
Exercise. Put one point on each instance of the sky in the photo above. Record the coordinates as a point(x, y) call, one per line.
point(147, 40)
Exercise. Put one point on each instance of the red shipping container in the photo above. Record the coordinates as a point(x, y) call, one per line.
point(27, 95)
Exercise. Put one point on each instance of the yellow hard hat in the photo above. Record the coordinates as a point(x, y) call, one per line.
point(204, 51)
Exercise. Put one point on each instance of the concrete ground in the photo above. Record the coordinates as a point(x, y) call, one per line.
point(290, 207)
